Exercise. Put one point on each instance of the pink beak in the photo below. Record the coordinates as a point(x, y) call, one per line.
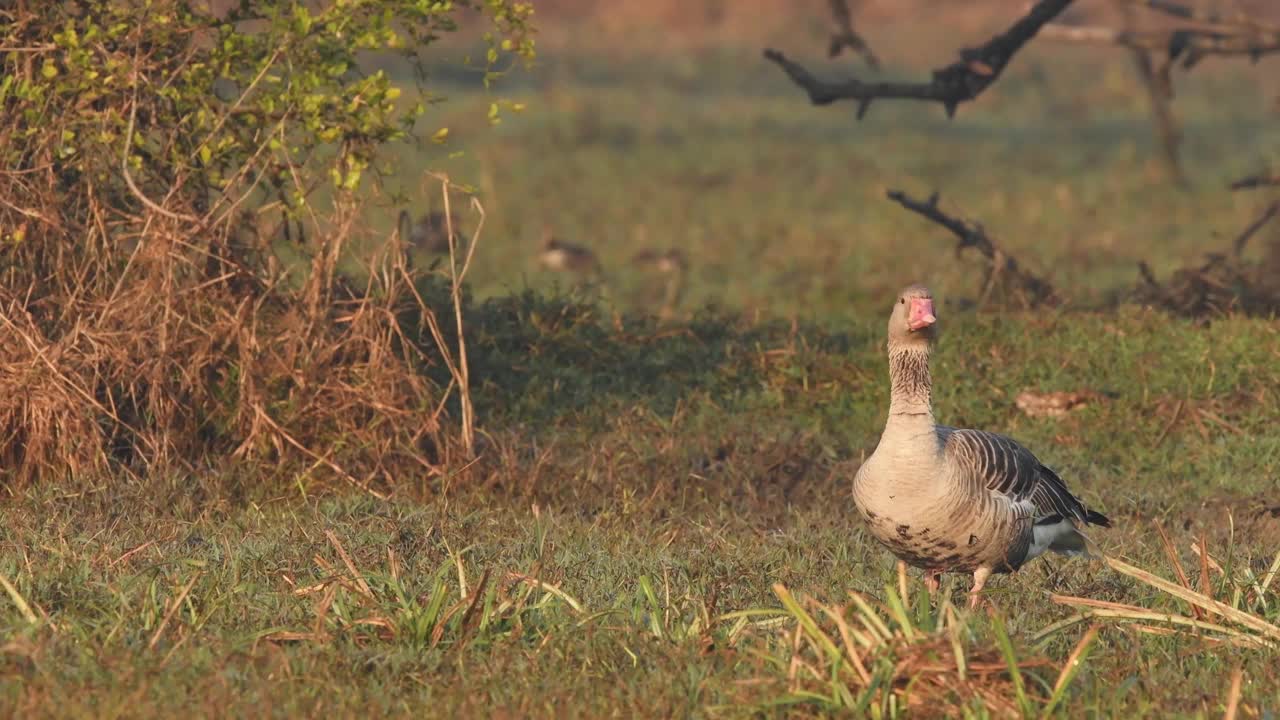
point(921, 314)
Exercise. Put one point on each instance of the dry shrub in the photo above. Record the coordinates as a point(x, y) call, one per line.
point(152, 157)
point(1218, 286)
point(163, 365)
point(1225, 282)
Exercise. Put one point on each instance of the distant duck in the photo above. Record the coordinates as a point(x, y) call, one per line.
point(673, 265)
point(667, 262)
point(430, 234)
point(559, 256)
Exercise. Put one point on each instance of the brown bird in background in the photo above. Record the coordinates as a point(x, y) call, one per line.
point(430, 233)
point(671, 264)
point(560, 256)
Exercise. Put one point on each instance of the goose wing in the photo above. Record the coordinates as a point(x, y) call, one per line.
point(1007, 469)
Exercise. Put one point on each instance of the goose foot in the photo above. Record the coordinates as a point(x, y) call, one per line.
point(979, 581)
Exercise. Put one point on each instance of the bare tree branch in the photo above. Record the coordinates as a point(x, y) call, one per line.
point(1238, 246)
point(1000, 266)
point(1156, 78)
point(1155, 52)
point(1190, 44)
point(1256, 181)
point(1204, 16)
point(843, 35)
point(958, 82)
point(1204, 33)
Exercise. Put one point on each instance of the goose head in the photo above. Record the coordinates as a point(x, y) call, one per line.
point(913, 321)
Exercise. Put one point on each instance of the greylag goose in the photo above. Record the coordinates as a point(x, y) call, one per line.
point(949, 500)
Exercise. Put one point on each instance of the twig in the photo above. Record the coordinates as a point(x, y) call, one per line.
point(460, 369)
point(1172, 554)
point(124, 156)
point(1238, 246)
point(1155, 77)
point(1256, 181)
point(351, 567)
point(1207, 17)
point(958, 82)
point(972, 235)
point(1177, 411)
point(843, 35)
point(177, 603)
point(314, 456)
point(1191, 44)
point(23, 608)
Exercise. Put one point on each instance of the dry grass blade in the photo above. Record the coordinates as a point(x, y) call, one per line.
point(1069, 669)
point(1206, 559)
point(870, 618)
point(1271, 574)
point(542, 585)
point(173, 609)
point(290, 636)
point(1101, 609)
point(846, 636)
point(459, 368)
point(805, 620)
point(351, 567)
point(18, 600)
point(1206, 584)
point(1233, 695)
point(1253, 623)
point(1172, 554)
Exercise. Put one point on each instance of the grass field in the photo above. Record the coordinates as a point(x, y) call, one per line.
point(643, 484)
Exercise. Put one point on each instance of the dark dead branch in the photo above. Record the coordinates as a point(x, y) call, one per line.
point(1256, 181)
point(843, 35)
point(1003, 271)
point(958, 82)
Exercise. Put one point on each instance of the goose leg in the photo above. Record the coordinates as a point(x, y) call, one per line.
point(931, 581)
point(979, 581)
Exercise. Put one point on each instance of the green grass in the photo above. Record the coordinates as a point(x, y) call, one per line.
point(640, 482)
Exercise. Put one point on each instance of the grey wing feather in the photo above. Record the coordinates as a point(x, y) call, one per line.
point(1006, 468)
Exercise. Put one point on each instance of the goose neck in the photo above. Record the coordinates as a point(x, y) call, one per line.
point(910, 382)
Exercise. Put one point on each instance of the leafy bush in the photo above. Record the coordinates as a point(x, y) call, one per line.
point(153, 152)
